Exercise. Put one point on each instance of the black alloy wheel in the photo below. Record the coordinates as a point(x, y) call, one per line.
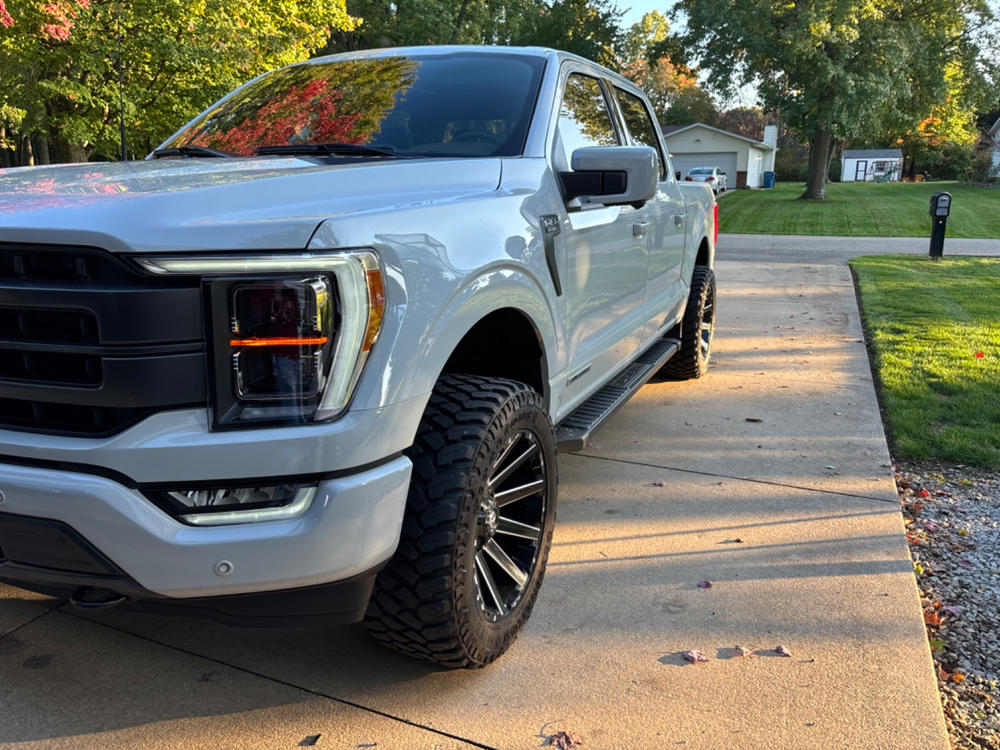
point(697, 329)
point(509, 529)
point(478, 525)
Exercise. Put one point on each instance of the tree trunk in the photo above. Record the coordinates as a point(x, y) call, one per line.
point(819, 150)
point(829, 161)
point(459, 21)
point(41, 145)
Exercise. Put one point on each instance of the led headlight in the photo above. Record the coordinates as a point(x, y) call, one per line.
point(233, 505)
point(289, 333)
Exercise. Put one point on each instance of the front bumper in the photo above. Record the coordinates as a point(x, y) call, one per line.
point(351, 528)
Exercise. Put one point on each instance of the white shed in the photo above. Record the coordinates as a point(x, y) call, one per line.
point(743, 159)
point(871, 165)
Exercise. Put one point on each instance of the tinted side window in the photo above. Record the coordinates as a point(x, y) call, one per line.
point(640, 125)
point(584, 119)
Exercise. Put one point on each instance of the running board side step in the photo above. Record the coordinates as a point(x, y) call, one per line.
point(575, 431)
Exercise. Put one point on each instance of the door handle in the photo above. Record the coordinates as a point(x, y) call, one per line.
point(639, 228)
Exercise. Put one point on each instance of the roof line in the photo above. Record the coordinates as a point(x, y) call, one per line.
point(720, 130)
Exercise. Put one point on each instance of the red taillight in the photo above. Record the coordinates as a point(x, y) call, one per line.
point(709, 179)
point(688, 179)
point(715, 219)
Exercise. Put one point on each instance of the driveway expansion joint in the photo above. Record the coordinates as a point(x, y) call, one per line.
point(275, 680)
point(739, 479)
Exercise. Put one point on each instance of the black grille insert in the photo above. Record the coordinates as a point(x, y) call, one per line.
point(53, 263)
point(52, 326)
point(48, 367)
point(89, 345)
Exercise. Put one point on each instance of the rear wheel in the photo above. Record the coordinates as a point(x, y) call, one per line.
point(478, 525)
point(697, 329)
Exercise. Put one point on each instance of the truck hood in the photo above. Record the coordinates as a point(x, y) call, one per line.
point(220, 204)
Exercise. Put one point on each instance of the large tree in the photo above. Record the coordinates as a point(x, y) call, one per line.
point(645, 56)
point(60, 72)
point(586, 27)
point(837, 68)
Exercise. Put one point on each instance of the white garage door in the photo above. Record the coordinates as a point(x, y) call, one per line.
point(725, 160)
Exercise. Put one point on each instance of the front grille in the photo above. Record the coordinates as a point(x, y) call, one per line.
point(53, 326)
point(48, 367)
point(89, 346)
point(55, 263)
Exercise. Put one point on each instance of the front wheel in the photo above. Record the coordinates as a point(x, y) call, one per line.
point(478, 525)
point(697, 329)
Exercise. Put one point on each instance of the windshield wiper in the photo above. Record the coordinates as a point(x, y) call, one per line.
point(340, 149)
point(190, 151)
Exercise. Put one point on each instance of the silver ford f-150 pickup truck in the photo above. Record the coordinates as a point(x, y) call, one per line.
point(312, 358)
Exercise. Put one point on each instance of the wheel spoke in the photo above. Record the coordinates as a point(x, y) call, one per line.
point(508, 566)
point(513, 465)
point(487, 582)
point(519, 493)
point(516, 528)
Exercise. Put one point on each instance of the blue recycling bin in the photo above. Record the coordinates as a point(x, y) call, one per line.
point(768, 180)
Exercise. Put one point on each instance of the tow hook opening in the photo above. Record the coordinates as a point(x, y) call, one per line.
point(87, 597)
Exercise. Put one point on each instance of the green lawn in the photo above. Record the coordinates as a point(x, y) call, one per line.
point(866, 209)
point(927, 324)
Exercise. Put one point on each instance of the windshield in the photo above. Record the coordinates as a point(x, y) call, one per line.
point(461, 104)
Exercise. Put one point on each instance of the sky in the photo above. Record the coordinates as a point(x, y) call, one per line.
point(640, 7)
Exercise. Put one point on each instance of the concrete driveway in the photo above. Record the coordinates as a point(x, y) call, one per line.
point(770, 477)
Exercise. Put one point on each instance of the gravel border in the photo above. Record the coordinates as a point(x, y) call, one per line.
point(952, 517)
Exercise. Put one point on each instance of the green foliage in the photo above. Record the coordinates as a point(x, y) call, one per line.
point(672, 87)
point(586, 27)
point(791, 165)
point(840, 68)
point(60, 70)
point(893, 209)
point(936, 337)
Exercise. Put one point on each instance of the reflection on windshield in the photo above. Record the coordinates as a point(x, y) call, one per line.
point(305, 104)
point(461, 104)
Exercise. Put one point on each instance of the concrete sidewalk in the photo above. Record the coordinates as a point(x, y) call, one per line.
point(792, 515)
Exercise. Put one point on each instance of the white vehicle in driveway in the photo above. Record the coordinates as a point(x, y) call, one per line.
point(310, 361)
point(713, 176)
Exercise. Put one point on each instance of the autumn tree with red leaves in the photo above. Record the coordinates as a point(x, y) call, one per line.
point(59, 66)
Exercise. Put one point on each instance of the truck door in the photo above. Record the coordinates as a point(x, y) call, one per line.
point(605, 277)
point(663, 219)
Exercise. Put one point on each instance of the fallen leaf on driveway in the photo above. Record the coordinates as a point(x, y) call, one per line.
point(932, 618)
point(952, 610)
point(694, 656)
point(706, 584)
point(923, 493)
point(563, 740)
point(753, 419)
point(311, 740)
point(741, 650)
point(782, 651)
point(966, 564)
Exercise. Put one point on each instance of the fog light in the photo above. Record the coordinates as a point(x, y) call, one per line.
point(217, 507)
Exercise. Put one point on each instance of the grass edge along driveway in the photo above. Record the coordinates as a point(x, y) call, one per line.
point(898, 209)
point(934, 332)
